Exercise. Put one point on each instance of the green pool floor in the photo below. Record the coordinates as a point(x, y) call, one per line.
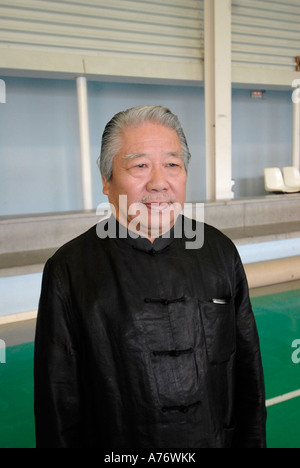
point(16, 398)
point(278, 322)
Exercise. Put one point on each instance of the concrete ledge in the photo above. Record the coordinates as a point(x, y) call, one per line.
point(241, 217)
point(26, 242)
point(248, 213)
point(21, 317)
point(271, 272)
point(45, 231)
point(263, 233)
point(24, 263)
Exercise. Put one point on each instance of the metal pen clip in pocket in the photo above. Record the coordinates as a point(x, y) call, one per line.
point(220, 301)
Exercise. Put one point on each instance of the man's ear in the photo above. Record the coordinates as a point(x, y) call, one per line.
point(106, 186)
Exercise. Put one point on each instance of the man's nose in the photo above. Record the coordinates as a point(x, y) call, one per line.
point(157, 181)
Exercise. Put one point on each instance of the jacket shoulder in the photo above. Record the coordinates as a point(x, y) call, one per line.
point(210, 233)
point(75, 249)
point(213, 233)
point(218, 242)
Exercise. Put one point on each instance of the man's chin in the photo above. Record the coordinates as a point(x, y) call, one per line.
point(151, 220)
point(157, 223)
point(158, 208)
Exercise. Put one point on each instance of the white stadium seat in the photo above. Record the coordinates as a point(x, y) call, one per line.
point(274, 181)
point(291, 177)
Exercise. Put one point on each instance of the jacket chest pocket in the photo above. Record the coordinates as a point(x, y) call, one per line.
point(174, 358)
point(218, 320)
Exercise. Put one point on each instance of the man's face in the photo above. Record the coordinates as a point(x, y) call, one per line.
point(149, 170)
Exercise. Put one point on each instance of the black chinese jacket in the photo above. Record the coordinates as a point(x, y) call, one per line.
point(147, 346)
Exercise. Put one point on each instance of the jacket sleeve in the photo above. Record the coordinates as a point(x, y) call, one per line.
point(250, 391)
point(56, 377)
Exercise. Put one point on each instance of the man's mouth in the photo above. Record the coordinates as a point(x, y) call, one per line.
point(157, 205)
point(158, 202)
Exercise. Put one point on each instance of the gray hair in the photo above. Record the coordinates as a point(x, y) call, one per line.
point(111, 138)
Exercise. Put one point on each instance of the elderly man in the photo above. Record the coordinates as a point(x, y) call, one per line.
point(140, 341)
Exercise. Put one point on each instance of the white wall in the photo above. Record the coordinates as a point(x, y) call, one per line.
point(39, 147)
point(39, 143)
point(262, 137)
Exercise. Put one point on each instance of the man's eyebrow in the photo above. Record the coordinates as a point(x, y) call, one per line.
point(175, 154)
point(133, 155)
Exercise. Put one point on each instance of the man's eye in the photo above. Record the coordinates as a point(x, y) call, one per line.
point(172, 165)
point(141, 165)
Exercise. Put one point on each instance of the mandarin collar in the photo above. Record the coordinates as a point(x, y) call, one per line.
point(142, 243)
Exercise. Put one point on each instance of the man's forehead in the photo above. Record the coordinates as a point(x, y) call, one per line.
point(150, 138)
